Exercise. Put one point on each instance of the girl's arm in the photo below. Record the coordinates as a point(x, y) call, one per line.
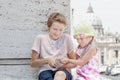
point(86, 57)
point(83, 59)
point(72, 56)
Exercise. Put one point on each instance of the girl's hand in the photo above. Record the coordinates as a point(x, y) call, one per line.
point(67, 64)
point(65, 61)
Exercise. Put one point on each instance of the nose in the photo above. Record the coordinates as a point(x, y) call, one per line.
point(58, 32)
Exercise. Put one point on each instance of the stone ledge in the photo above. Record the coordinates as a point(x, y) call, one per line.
point(17, 72)
point(14, 61)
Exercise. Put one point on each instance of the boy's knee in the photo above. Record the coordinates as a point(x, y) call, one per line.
point(60, 74)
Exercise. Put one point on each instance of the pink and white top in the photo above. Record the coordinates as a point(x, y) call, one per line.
point(88, 71)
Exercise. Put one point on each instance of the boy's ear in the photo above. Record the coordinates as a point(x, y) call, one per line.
point(48, 28)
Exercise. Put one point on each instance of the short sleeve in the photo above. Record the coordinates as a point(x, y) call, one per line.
point(36, 44)
point(70, 44)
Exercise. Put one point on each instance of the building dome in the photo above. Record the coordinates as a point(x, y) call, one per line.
point(94, 20)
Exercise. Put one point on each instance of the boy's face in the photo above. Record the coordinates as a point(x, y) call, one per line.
point(84, 40)
point(56, 30)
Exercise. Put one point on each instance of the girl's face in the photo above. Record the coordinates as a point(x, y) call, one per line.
point(84, 40)
point(56, 30)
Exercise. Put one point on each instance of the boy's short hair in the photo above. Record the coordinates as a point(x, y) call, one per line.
point(56, 17)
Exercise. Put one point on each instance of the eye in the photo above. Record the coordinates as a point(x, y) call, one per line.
point(78, 39)
point(82, 39)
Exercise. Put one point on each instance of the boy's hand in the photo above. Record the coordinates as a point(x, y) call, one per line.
point(51, 62)
point(58, 63)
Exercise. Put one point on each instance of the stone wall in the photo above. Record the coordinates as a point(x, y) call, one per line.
point(20, 22)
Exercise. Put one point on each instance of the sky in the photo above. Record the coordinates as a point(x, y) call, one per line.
point(107, 10)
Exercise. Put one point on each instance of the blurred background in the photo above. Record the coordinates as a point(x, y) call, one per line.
point(104, 16)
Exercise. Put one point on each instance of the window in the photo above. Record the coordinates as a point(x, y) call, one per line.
point(102, 58)
point(116, 53)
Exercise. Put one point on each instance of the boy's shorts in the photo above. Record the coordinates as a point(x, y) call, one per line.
point(49, 75)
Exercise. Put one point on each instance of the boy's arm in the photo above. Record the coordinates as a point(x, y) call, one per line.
point(35, 61)
point(72, 55)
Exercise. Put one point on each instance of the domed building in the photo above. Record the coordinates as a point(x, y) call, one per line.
point(94, 20)
point(107, 42)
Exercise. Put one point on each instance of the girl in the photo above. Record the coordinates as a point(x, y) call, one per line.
point(86, 63)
